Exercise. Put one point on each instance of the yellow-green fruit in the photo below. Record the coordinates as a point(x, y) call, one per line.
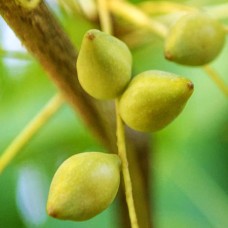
point(83, 186)
point(153, 99)
point(195, 39)
point(104, 65)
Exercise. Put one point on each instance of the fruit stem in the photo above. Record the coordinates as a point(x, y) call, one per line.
point(29, 130)
point(215, 77)
point(104, 15)
point(106, 26)
point(153, 7)
point(219, 11)
point(137, 17)
point(126, 174)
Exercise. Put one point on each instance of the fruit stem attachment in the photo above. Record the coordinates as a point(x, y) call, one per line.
point(126, 174)
point(29, 131)
point(216, 79)
point(104, 16)
point(154, 7)
point(137, 17)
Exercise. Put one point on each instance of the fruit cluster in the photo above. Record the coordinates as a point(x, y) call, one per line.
point(86, 183)
point(148, 102)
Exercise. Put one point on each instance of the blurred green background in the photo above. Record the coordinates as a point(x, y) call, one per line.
point(189, 159)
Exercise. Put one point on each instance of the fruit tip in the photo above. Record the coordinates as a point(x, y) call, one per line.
point(52, 212)
point(168, 56)
point(190, 85)
point(90, 35)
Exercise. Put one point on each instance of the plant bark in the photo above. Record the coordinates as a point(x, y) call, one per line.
point(44, 38)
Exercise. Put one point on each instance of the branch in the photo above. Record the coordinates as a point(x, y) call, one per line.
point(44, 38)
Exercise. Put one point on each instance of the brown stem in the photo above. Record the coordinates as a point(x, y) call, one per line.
point(44, 38)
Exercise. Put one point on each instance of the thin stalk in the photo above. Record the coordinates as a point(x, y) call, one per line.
point(137, 17)
point(154, 7)
point(218, 11)
point(215, 77)
point(29, 131)
point(106, 26)
point(104, 15)
point(126, 174)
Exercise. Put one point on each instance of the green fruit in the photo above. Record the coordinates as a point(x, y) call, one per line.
point(195, 39)
point(104, 65)
point(153, 99)
point(83, 186)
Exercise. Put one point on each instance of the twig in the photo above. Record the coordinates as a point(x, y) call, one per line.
point(218, 11)
point(157, 7)
point(215, 77)
point(104, 15)
point(41, 34)
point(126, 175)
point(30, 130)
point(137, 16)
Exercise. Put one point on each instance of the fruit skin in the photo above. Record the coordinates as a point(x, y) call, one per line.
point(195, 39)
point(83, 186)
point(153, 99)
point(104, 65)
